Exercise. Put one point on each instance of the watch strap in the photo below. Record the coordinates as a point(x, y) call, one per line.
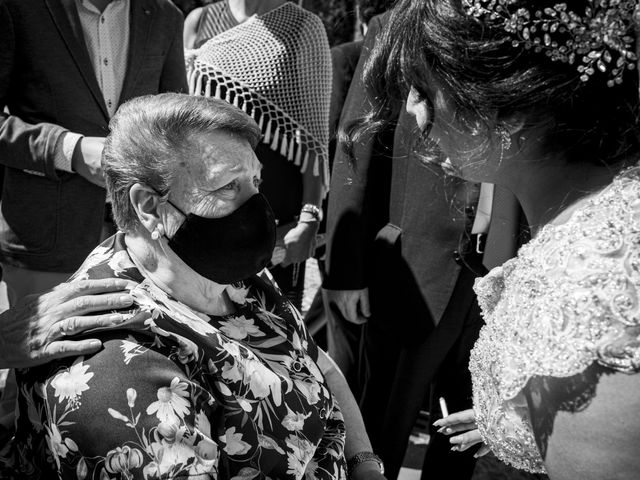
point(312, 210)
point(362, 457)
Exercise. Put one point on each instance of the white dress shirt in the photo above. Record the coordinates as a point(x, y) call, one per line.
point(107, 37)
point(483, 211)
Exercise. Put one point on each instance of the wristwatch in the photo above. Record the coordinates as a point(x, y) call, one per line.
point(312, 210)
point(362, 457)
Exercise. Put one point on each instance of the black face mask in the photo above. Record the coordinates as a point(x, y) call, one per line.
point(231, 248)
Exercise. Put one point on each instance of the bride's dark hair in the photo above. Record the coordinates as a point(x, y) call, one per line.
point(487, 77)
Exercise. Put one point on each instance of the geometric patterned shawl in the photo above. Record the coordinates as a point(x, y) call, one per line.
point(277, 68)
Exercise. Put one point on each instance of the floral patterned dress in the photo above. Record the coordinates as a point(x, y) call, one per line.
point(193, 396)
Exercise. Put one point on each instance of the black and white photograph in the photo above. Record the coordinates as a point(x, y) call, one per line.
point(319, 240)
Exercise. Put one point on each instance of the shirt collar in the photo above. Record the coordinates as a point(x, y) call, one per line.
point(90, 7)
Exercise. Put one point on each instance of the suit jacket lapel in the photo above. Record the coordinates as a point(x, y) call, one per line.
point(65, 16)
point(140, 21)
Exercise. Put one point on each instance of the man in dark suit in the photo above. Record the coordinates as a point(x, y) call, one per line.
point(344, 59)
point(401, 260)
point(65, 66)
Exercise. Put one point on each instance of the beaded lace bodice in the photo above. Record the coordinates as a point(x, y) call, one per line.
point(569, 299)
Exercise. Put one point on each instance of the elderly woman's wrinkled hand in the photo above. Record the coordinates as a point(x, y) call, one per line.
point(34, 331)
point(300, 242)
point(464, 421)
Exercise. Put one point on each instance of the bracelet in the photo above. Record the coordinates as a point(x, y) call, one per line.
point(312, 210)
point(362, 457)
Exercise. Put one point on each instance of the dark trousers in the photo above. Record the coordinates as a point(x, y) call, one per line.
point(401, 372)
point(453, 383)
point(345, 342)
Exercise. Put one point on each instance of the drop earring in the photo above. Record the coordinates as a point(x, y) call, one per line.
point(505, 140)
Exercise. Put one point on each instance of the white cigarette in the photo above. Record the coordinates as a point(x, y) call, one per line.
point(443, 407)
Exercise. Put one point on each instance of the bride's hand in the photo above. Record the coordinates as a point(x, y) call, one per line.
point(464, 421)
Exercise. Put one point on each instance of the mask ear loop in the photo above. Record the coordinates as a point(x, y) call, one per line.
point(157, 235)
point(159, 232)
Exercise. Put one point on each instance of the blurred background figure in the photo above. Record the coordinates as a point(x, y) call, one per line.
point(401, 260)
point(344, 58)
point(272, 59)
point(65, 67)
point(92, 55)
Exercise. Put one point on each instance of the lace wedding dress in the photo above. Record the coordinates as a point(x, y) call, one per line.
point(569, 300)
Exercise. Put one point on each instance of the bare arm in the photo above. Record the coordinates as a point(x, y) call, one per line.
point(190, 31)
point(357, 438)
point(311, 184)
point(597, 441)
point(300, 241)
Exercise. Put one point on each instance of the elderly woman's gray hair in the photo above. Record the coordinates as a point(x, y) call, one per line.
point(152, 135)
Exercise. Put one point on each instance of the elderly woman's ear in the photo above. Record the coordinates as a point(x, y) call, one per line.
point(145, 202)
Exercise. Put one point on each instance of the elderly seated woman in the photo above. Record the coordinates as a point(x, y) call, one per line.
point(225, 381)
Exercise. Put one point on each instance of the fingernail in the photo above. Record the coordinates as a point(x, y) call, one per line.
point(95, 344)
point(125, 299)
point(116, 319)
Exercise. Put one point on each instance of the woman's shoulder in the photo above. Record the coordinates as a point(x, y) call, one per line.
point(114, 408)
point(303, 13)
point(591, 263)
point(292, 14)
point(123, 353)
point(190, 30)
point(110, 259)
point(568, 301)
point(571, 295)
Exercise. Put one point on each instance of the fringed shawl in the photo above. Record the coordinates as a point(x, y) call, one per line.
point(277, 68)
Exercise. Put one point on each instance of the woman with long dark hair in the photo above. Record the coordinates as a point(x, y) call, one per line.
point(542, 98)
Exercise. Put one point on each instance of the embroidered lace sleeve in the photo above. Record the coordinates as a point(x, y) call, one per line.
point(568, 300)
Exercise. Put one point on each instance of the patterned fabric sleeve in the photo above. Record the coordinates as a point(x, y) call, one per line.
point(127, 412)
point(306, 340)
